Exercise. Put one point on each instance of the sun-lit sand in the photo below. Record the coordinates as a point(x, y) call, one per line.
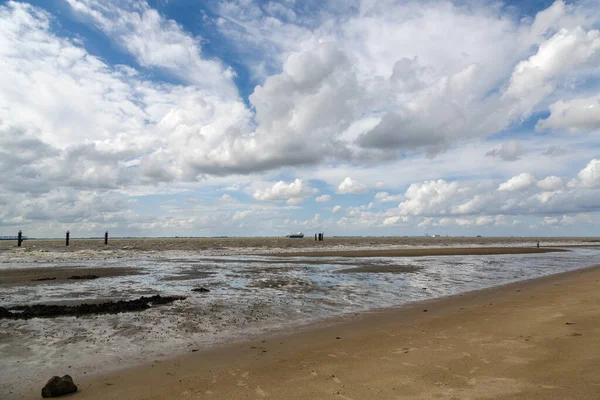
point(531, 340)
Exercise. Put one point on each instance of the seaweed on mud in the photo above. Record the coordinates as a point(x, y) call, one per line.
point(110, 307)
point(81, 277)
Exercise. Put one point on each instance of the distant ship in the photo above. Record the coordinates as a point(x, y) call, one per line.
point(297, 235)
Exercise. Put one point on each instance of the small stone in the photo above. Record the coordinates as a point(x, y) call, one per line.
point(58, 386)
point(337, 337)
point(200, 290)
point(569, 323)
point(425, 310)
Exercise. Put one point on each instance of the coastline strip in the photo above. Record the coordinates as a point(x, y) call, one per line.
point(534, 339)
point(462, 251)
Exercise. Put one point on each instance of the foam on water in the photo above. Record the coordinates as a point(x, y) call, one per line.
point(249, 296)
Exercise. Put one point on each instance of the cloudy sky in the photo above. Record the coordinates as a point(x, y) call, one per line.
point(362, 117)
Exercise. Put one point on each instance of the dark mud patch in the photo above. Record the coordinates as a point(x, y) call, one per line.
point(51, 275)
point(189, 275)
point(83, 277)
point(382, 269)
point(111, 307)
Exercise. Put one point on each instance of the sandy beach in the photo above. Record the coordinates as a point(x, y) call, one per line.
point(537, 339)
point(308, 320)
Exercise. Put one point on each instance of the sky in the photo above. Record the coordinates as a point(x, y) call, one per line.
point(259, 118)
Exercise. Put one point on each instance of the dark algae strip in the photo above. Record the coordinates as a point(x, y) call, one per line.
point(111, 307)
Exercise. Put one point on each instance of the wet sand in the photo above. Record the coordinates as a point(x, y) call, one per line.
point(421, 252)
point(538, 339)
point(380, 269)
point(46, 275)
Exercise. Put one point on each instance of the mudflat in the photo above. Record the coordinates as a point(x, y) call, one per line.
point(537, 339)
point(420, 252)
point(283, 244)
point(43, 275)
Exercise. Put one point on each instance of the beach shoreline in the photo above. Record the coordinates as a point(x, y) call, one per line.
point(454, 251)
point(275, 244)
point(400, 352)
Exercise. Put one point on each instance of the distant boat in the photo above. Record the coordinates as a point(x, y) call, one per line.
point(297, 235)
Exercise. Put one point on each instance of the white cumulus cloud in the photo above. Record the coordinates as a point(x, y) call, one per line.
point(351, 186)
point(324, 198)
point(294, 192)
point(428, 197)
point(156, 42)
point(518, 182)
point(384, 197)
point(589, 177)
point(550, 183)
point(575, 115)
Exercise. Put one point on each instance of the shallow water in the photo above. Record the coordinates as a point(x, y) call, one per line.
point(249, 296)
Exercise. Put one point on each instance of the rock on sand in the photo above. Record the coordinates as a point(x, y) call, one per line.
point(58, 386)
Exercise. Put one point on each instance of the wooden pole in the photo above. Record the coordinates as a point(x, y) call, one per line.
point(20, 238)
point(106, 237)
point(68, 234)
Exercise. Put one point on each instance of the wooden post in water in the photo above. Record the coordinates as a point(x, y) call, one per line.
point(106, 237)
point(68, 234)
point(20, 238)
point(315, 237)
point(322, 237)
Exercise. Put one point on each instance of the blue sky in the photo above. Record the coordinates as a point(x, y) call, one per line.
point(187, 118)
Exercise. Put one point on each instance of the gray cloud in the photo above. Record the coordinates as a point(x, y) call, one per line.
point(509, 151)
point(554, 151)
